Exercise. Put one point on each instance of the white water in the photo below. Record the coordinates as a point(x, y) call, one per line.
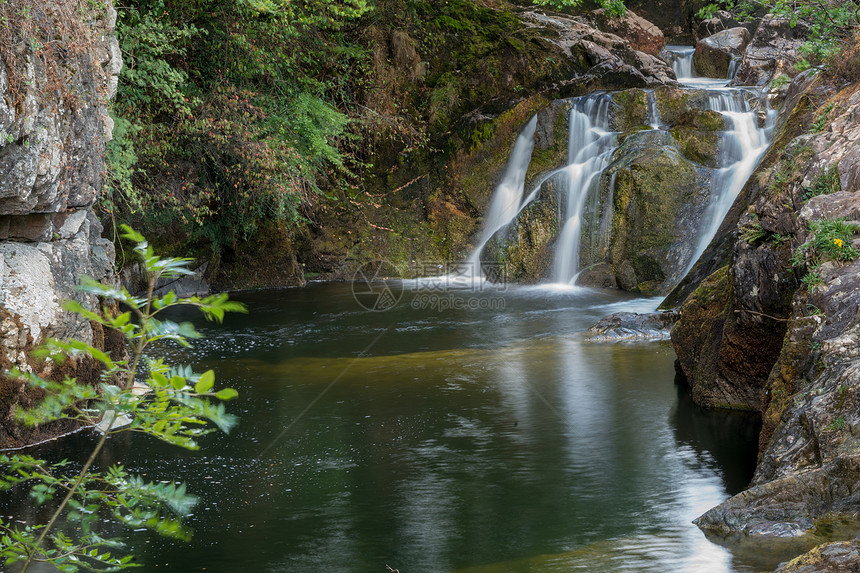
point(653, 112)
point(742, 148)
point(682, 65)
point(508, 196)
point(590, 146)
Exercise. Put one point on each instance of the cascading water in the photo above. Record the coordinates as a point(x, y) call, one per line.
point(590, 147)
point(508, 196)
point(742, 148)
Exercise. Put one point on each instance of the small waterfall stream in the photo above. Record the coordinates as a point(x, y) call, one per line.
point(591, 145)
point(508, 196)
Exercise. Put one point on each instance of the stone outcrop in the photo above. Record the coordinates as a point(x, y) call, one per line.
point(51, 171)
point(753, 334)
point(609, 61)
point(714, 54)
point(772, 52)
point(642, 34)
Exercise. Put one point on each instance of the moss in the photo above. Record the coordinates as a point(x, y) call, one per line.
point(631, 111)
point(699, 146)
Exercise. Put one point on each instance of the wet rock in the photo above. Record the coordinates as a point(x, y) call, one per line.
point(751, 314)
point(610, 62)
point(631, 326)
point(650, 203)
point(642, 34)
point(772, 52)
point(837, 557)
point(714, 54)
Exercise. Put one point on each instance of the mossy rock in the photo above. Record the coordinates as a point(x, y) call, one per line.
point(631, 111)
point(699, 146)
point(657, 203)
point(524, 250)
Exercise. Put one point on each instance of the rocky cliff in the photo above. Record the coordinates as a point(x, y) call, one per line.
point(770, 317)
point(60, 67)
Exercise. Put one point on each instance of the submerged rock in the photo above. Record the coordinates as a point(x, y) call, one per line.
point(837, 557)
point(631, 326)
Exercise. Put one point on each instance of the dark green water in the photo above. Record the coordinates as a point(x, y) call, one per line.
point(483, 440)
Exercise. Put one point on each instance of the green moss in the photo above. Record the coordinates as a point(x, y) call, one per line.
point(699, 146)
point(631, 112)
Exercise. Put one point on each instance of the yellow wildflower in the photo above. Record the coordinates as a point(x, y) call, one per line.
point(838, 243)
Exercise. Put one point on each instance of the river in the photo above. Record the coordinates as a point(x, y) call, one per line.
point(487, 438)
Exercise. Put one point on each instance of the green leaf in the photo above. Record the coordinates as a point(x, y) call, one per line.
point(226, 394)
point(205, 383)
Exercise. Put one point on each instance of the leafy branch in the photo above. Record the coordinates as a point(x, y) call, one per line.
point(171, 403)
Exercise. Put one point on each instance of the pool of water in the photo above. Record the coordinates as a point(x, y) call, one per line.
point(484, 435)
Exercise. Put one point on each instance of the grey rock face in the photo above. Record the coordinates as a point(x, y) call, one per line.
point(611, 62)
point(51, 171)
point(771, 53)
point(721, 20)
point(714, 54)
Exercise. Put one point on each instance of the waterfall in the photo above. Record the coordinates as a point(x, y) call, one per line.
point(590, 145)
point(742, 148)
point(507, 198)
point(653, 112)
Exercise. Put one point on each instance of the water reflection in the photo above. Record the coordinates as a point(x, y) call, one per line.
point(480, 441)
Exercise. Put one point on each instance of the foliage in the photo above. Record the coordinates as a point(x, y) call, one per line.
point(824, 183)
point(811, 280)
point(614, 8)
point(233, 108)
point(831, 23)
point(707, 11)
point(830, 240)
point(753, 231)
point(174, 404)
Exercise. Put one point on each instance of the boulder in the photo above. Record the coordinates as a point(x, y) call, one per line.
point(721, 20)
point(714, 54)
point(772, 52)
point(610, 62)
point(656, 203)
point(642, 34)
point(631, 327)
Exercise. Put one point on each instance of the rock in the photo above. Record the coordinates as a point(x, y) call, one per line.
point(642, 34)
point(654, 206)
point(673, 17)
point(750, 332)
point(714, 54)
point(610, 62)
point(51, 170)
point(772, 52)
point(837, 557)
point(631, 326)
point(721, 20)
